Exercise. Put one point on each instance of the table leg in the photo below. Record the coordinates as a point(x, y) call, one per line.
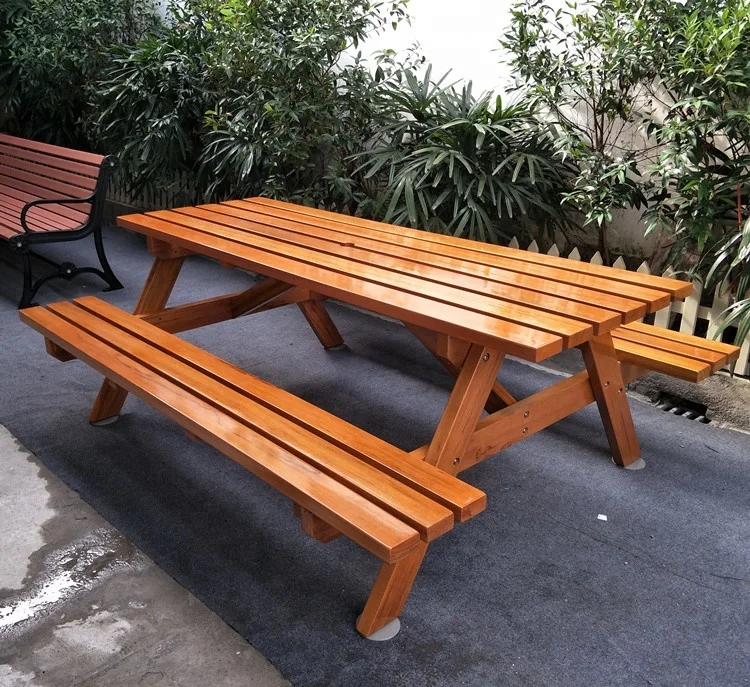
point(321, 323)
point(451, 354)
point(154, 297)
point(454, 431)
point(608, 386)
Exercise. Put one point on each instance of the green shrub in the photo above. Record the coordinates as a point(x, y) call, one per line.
point(452, 163)
point(52, 51)
point(241, 98)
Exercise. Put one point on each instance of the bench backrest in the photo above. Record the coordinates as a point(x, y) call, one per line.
point(29, 169)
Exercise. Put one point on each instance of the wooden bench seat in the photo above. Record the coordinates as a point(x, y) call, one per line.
point(673, 353)
point(341, 478)
point(50, 194)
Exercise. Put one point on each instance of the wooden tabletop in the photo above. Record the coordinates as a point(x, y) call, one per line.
point(521, 303)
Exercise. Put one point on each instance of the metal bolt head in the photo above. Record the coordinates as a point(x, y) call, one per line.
point(525, 430)
point(526, 414)
point(606, 384)
point(456, 461)
point(486, 357)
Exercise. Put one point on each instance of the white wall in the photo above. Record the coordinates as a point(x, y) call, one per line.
point(462, 36)
point(457, 35)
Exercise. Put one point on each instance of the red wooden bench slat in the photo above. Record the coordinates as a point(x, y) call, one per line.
point(82, 168)
point(49, 149)
point(8, 164)
point(46, 187)
point(28, 194)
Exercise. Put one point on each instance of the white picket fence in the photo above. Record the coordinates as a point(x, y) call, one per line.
point(690, 309)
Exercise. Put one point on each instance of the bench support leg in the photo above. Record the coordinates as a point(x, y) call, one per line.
point(609, 391)
point(389, 594)
point(322, 324)
point(154, 297)
point(469, 396)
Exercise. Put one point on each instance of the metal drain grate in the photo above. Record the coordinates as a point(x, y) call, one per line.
point(684, 408)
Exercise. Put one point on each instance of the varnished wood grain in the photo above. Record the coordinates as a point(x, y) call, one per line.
point(389, 594)
point(460, 498)
point(464, 407)
point(609, 390)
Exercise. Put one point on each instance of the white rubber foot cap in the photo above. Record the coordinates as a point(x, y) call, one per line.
point(106, 421)
point(337, 347)
point(386, 632)
point(637, 464)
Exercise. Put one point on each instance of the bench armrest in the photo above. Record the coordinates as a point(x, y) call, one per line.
point(108, 165)
point(53, 201)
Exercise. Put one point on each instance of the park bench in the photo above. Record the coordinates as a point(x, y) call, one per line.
point(342, 479)
point(50, 194)
point(643, 348)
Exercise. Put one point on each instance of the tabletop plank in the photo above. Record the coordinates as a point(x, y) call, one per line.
point(567, 272)
point(676, 288)
point(344, 262)
point(600, 318)
point(514, 338)
point(629, 309)
point(601, 310)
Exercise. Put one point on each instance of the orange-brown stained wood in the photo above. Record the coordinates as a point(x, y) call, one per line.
point(156, 292)
point(464, 407)
point(428, 254)
point(401, 275)
point(462, 499)
point(516, 339)
point(321, 323)
point(731, 352)
point(673, 364)
point(451, 354)
point(421, 513)
point(360, 251)
point(609, 390)
point(677, 289)
point(389, 594)
point(714, 359)
point(526, 417)
point(316, 528)
point(368, 525)
point(57, 352)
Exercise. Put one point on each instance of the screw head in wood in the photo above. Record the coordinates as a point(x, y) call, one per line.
point(526, 414)
point(486, 357)
point(456, 461)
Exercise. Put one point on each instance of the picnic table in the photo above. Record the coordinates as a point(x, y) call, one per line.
point(470, 304)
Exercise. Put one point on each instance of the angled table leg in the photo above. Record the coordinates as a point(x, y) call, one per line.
point(321, 323)
point(464, 408)
point(609, 391)
point(154, 297)
point(451, 354)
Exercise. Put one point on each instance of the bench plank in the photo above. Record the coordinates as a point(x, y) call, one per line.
point(343, 262)
point(521, 340)
point(424, 515)
point(462, 499)
point(379, 532)
point(370, 252)
point(419, 252)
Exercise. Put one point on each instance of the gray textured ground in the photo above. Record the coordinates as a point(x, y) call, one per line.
point(538, 590)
